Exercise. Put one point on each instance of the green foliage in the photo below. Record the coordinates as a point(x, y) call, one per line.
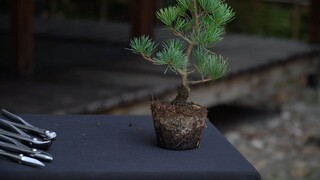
point(213, 14)
point(173, 55)
point(209, 6)
point(200, 23)
point(209, 64)
point(180, 25)
point(168, 15)
point(223, 14)
point(185, 4)
point(207, 35)
point(142, 45)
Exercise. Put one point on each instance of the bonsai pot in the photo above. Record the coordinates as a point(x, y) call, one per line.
point(178, 126)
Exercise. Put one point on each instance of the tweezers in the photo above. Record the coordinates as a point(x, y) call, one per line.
point(24, 125)
point(22, 136)
point(21, 159)
point(16, 146)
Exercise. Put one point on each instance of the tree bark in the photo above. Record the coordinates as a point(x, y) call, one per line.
point(183, 94)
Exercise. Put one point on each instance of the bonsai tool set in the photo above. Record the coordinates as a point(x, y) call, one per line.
point(24, 143)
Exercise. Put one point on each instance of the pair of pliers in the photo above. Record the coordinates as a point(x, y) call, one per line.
point(13, 145)
point(14, 132)
point(20, 141)
point(22, 159)
point(24, 125)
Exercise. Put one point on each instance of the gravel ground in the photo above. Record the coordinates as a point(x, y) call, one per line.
point(287, 145)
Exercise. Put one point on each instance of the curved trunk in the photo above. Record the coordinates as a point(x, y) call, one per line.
point(183, 94)
point(184, 90)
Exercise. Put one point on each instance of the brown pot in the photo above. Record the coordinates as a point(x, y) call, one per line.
point(178, 126)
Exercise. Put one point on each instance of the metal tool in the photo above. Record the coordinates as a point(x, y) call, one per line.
point(24, 125)
point(21, 159)
point(16, 133)
point(16, 146)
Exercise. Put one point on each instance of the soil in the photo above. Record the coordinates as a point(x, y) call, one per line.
point(178, 126)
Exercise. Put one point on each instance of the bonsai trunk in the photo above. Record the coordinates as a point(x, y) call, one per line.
point(183, 91)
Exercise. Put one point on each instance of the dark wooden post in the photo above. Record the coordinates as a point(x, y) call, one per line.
point(315, 21)
point(142, 17)
point(296, 20)
point(103, 10)
point(22, 36)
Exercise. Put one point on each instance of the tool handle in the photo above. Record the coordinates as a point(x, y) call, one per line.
point(13, 128)
point(10, 155)
point(7, 139)
point(12, 147)
point(15, 117)
point(16, 136)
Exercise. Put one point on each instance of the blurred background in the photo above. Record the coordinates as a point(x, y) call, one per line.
point(69, 57)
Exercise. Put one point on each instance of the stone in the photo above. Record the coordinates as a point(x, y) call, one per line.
point(285, 115)
point(256, 143)
point(300, 169)
point(233, 137)
point(271, 124)
point(279, 155)
point(283, 147)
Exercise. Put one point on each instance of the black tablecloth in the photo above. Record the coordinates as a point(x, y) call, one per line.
point(124, 147)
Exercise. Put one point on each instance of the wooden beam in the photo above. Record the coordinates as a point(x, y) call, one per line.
point(103, 10)
point(238, 86)
point(22, 36)
point(142, 17)
point(315, 21)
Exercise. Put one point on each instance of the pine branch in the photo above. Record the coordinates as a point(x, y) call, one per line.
point(149, 59)
point(179, 34)
point(184, 74)
point(209, 64)
point(195, 15)
point(173, 56)
point(143, 46)
point(200, 24)
point(200, 81)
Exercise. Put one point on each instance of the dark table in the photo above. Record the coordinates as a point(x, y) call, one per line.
point(124, 147)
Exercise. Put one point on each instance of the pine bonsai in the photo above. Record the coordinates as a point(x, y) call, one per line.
point(199, 24)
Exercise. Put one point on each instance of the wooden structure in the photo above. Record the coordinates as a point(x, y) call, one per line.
point(315, 21)
point(142, 13)
point(22, 36)
point(125, 84)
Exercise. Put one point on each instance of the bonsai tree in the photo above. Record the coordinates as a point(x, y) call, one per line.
point(198, 25)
